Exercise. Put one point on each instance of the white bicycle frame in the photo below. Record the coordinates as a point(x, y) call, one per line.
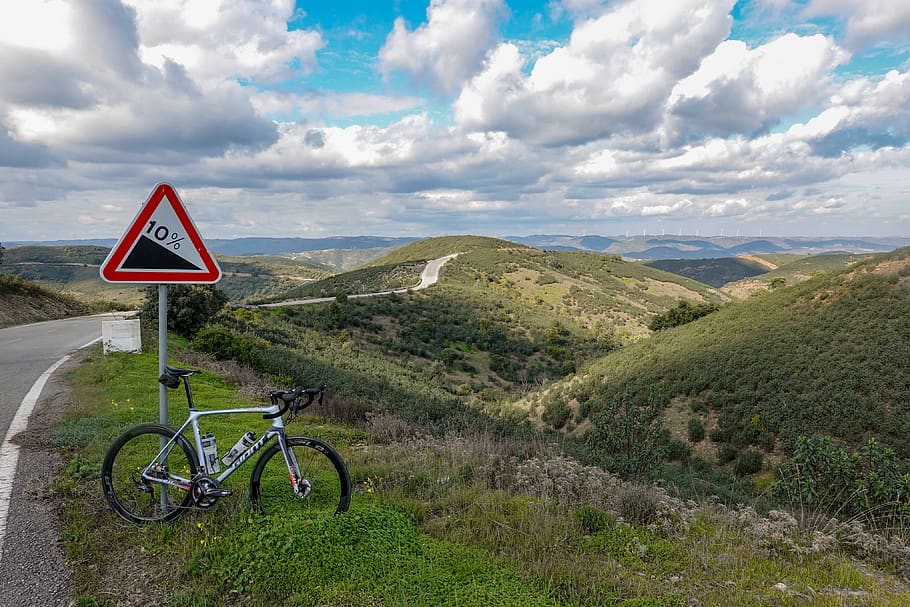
point(277, 429)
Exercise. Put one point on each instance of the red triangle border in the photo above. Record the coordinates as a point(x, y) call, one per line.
point(112, 272)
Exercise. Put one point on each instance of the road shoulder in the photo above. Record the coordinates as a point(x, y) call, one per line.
point(33, 570)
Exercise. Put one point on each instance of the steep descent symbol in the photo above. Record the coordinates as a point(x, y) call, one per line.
point(162, 245)
point(149, 255)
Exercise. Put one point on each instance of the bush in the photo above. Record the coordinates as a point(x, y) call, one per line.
point(696, 430)
point(189, 307)
point(678, 451)
point(222, 344)
point(826, 478)
point(627, 436)
point(556, 413)
point(748, 462)
point(683, 313)
point(638, 504)
point(592, 520)
point(726, 454)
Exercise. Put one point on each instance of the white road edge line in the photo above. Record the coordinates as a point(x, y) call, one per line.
point(9, 451)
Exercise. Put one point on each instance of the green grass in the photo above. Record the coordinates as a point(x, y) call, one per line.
point(448, 520)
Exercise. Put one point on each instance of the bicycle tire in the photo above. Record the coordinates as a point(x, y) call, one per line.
point(320, 466)
point(141, 501)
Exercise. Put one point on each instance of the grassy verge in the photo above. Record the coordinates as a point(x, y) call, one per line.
point(450, 520)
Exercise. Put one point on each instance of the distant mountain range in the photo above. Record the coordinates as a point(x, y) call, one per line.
point(630, 247)
point(254, 245)
point(693, 247)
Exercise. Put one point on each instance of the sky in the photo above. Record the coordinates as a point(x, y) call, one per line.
point(425, 118)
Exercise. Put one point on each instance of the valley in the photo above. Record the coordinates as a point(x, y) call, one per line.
point(524, 370)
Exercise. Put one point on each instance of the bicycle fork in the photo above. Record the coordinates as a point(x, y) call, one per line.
point(301, 486)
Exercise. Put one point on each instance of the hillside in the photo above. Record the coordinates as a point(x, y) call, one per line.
point(503, 320)
point(70, 269)
point(454, 519)
point(74, 270)
point(715, 272)
point(23, 302)
point(584, 289)
point(790, 270)
point(246, 278)
point(825, 357)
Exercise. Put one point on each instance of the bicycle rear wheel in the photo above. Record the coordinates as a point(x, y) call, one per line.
point(140, 500)
point(323, 479)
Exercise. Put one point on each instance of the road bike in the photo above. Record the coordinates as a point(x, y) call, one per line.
point(154, 473)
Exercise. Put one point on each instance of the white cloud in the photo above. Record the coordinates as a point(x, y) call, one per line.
point(38, 24)
point(613, 76)
point(97, 101)
point(648, 113)
point(317, 104)
point(738, 90)
point(226, 39)
point(447, 49)
point(666, 209)
point(728, 208)
point(869, 22)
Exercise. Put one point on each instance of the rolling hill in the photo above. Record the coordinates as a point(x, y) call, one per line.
point(74, 270)
point(790, 270)
point(582, 288)
point(714, 271)
point(825, 357)
point(503, 318)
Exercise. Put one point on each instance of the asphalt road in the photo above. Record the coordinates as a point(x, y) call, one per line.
point(429, 276)
point(32, 570)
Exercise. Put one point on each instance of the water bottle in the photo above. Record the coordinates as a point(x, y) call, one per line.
point(242, 445)
point(210, 451)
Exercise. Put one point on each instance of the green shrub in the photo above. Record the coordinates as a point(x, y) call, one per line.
point(222, 344)
point(556, 413)
point(748, 462)
point(684, 312)
point(726, 454)
point(872, 484)
point(696, 430)
point(627, 436)
point(592, 520)
point(678, 451)
point(189, 307)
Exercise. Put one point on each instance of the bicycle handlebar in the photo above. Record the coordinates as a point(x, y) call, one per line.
point(291, 399)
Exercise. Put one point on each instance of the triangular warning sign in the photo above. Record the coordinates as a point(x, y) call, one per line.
point(162, 245)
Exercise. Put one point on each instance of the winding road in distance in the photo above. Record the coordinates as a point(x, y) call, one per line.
point(429, 276)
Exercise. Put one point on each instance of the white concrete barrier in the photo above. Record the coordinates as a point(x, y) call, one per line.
point(121, 336)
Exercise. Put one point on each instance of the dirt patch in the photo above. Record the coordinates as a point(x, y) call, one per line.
point(759, 261)
point(676, 421)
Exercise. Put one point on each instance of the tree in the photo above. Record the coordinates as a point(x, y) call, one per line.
point(1, 252)
point(684, 312)
point(189, 307)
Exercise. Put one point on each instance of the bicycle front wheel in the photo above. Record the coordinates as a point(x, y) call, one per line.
point(151, 498)
point(322, 479)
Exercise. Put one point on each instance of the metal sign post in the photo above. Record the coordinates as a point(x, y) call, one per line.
point(162, 353)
